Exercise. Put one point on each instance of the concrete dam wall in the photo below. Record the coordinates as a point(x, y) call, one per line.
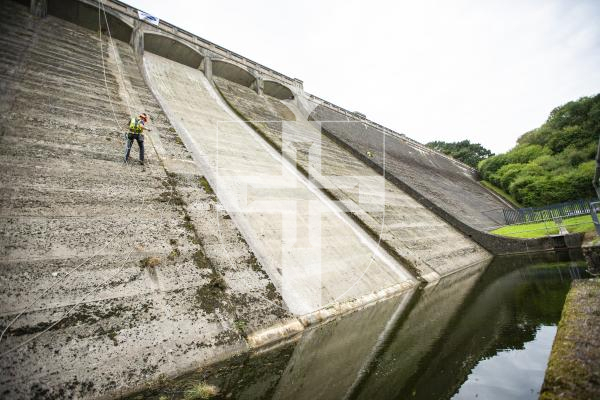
point(445, 186)
point(251, 219)
point(275, 207)
point(404, 227)
point(452, 184)
point(111, 275)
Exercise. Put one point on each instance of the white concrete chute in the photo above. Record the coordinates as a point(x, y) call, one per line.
point(277, 90)
point(86, 15)
point(172, 49)
point(313, 253)
point(232, 73)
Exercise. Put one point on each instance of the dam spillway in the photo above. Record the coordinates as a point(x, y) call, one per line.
point(312, 269)
point(119, 274)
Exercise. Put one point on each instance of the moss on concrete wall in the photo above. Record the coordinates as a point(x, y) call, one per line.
point(574, 367)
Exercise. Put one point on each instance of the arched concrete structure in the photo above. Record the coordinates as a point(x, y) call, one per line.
point(87, 16)
point(168, 41)
point(232, 72)
point(277, 90)
point(172, 49)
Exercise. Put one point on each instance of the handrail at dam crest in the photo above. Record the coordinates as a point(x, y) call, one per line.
point(386, 130)
point(121, 8)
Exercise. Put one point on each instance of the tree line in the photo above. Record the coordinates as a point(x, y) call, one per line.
point(550, 164)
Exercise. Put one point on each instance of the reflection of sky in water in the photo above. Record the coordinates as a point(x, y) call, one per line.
point(511, 374)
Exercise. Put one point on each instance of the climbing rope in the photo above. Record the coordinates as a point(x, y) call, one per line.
point(128, 97)
point(142, 203)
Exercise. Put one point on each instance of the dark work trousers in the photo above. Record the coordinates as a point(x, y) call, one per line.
point(139, 138)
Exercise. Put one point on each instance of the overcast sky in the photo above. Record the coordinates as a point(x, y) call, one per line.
point(487, 71)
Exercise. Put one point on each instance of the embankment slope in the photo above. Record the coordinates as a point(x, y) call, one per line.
point(113, 274)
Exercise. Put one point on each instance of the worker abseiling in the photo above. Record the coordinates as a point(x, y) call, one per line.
point(137, 125)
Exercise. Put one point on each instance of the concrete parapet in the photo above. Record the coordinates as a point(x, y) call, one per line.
point(121, 19)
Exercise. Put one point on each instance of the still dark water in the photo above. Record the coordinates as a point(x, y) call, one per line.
point(484, 333)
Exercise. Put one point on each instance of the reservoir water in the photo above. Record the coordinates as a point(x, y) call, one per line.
point(483, 333)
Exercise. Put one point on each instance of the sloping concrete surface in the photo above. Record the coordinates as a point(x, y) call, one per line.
point(451, 186)
point(114, 275)
point(110, 274)
point(311, 251)
point(416, 234)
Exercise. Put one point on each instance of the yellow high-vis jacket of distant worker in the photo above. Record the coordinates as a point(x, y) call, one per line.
point(136, 125)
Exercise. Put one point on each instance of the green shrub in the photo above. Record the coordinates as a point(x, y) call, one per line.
point(553, 163)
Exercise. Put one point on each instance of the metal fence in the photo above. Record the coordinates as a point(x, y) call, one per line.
point(547, 213)
point(595, 208)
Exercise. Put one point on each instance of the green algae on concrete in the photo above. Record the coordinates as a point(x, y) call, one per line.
point(574, 367)
point(206, 186)
point(591, 252)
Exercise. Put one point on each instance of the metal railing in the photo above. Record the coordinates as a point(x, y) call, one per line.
point(182, 34)
point(594, 209)
point(546, 213)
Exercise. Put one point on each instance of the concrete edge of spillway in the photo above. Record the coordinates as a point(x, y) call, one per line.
point(276, 333)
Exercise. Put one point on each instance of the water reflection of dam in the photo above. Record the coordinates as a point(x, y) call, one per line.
point(421, 345)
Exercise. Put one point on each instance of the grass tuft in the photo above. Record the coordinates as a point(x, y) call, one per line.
point(150, 262)
point(501, 193)
point(205, 185)
point(201, 391)
point(174, 254)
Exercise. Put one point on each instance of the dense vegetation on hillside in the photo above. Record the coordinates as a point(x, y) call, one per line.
point(465, 151)
point(554, 162)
